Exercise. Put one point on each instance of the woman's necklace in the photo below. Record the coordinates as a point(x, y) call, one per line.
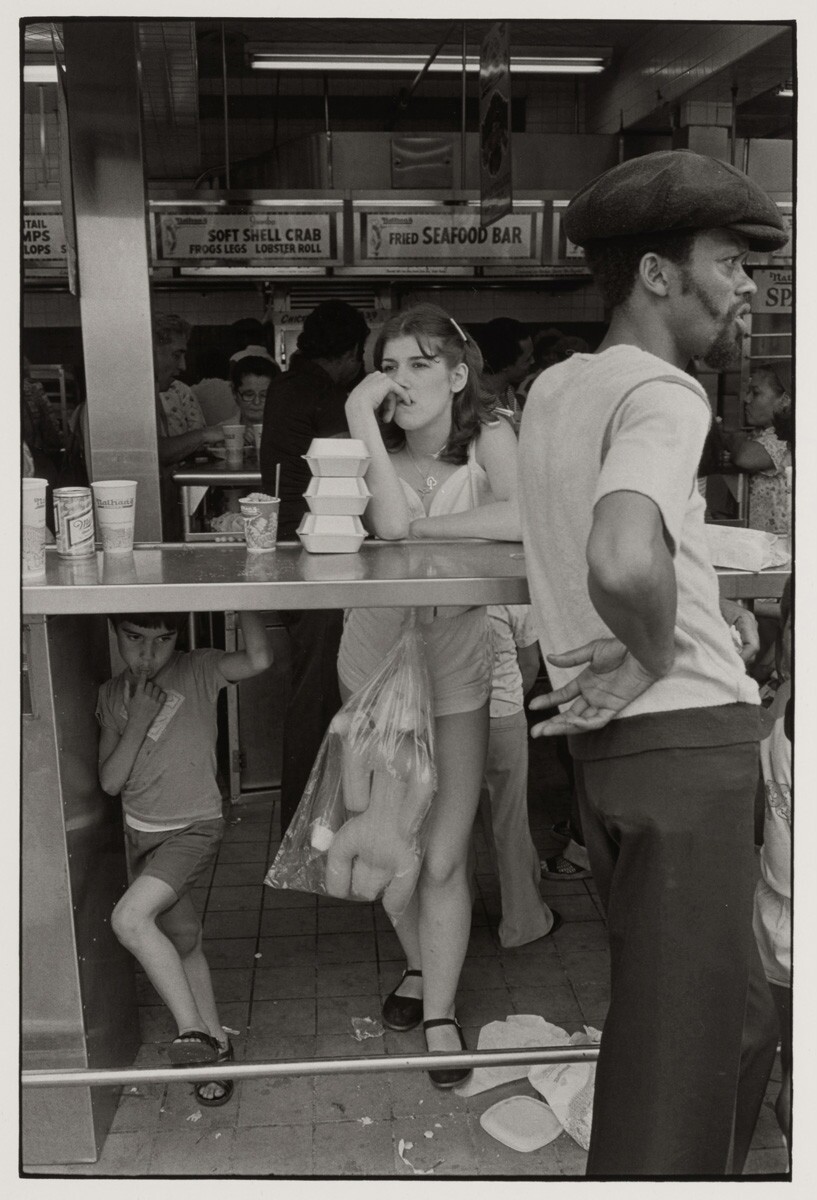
point(430, 480)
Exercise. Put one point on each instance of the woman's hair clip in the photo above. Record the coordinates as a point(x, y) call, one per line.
point(459, 331)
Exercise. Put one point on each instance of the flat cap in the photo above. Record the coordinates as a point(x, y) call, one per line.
point(669, 190)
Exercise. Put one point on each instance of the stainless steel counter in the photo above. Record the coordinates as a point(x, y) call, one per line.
point(190, 578)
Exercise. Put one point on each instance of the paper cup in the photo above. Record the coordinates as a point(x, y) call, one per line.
point(257, 430)
point(34, 527)
point(115, 507)
point(260, 514)
point(234, 443)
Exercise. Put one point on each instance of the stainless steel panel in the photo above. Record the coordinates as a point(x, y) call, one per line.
point(78, 997)
point(261, 703)
point(109, 198)
point(217, 578)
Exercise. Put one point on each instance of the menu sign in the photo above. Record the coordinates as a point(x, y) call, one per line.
point(775, 290)
point(246, 237)
point(447, 235)
point(44, 239)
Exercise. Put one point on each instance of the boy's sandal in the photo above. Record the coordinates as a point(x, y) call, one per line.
point(561, 868)
point(192, 1048)
point(228, 1087)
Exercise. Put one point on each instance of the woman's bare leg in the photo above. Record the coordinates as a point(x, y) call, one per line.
point(444, 898)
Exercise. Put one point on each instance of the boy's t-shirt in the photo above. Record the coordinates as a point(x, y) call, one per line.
point(509, 625)
point(174, 775)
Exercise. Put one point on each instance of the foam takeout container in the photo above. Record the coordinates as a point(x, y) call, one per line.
point(338, 456)
point(331, 534)
point(338, 496)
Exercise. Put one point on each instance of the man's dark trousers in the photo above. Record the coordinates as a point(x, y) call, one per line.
point(690, 1037)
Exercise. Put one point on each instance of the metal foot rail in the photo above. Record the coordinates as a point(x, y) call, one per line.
point(376, 1064)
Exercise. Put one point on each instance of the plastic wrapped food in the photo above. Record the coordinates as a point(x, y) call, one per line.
point(358, 830)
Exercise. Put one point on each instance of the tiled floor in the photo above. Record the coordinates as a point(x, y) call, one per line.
point(290, 970)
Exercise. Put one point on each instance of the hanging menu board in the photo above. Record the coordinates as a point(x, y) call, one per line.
point(43, 237)
point(257, 235)
point(439, 235)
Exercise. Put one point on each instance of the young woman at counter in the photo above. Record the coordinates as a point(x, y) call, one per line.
point(442, 465)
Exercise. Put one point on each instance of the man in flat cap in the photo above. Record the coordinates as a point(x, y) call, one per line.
point(661, 716)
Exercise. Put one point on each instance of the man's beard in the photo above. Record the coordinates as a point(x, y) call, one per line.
point(724, 351)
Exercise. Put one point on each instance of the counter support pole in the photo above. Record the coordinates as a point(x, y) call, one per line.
point(108, 178)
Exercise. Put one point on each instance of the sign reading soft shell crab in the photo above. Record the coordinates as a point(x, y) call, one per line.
point(448, 235)
point(247, 238)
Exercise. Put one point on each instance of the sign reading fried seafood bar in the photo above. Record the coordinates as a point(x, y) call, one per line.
point(247, 236)
point(438, 235)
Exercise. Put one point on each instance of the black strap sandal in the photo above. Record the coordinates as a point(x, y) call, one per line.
point(449, 1077)
point(402, 1013)
point(228, 1087)
point(193, 1048)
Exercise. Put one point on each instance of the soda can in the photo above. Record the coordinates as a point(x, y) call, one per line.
point(74, 522)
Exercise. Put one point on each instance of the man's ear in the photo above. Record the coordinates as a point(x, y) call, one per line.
point(653, 271)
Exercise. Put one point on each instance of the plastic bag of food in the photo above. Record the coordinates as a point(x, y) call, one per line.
point(358, 831)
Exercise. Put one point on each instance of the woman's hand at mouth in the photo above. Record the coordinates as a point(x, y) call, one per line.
point(378, 390)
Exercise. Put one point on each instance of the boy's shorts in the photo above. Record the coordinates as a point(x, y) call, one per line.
point(179, 857)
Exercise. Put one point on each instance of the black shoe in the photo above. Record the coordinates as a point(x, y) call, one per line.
point(450, 1076)
point(557, 922)
point(402, 1012)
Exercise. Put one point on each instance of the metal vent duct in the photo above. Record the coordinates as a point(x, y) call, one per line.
point(170, 99)
point(303, 297)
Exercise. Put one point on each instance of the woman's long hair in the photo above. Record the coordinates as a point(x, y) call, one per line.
point(437, 335)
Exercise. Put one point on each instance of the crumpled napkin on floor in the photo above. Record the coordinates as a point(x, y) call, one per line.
point(516, 1032)
point(568, 1088)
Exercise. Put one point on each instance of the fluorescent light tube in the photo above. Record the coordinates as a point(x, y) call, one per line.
point(408, 63)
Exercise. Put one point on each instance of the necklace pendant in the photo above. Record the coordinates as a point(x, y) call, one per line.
point(431, 483)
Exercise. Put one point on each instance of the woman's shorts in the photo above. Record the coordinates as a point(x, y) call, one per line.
point(458, 653)
point(178, 857)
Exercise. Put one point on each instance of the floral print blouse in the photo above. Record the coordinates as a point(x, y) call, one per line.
point(181, 409)
point(769, 499)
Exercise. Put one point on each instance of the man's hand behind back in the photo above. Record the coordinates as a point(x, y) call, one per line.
point(611, 680)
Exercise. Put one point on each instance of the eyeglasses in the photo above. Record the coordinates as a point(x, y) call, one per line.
point(250, 396)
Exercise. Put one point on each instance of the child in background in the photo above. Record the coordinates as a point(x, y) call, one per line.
point(158, 749)
point(525, 916)
point(772, 917)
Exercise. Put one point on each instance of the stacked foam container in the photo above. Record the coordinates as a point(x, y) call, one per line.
point(337, 496)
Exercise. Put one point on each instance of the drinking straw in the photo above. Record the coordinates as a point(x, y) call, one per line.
point(277, 479)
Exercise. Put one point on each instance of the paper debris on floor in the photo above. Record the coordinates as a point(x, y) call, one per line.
point(366, 1027)
point(518, 1031)
point(402, 1146)
point(194, 1116)
point(568, 1088)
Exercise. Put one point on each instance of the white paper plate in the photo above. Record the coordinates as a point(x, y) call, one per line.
point(521, 1122)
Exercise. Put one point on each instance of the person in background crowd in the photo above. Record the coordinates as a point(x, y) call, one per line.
point(507, 350)
point(182, 428)
point(549, 347)
point(662, 718)
point(214, 392)
point(39, 429)
point(762, 453)
point(772, 917)
point(303, 403)
point(442, 465)
point(525, 916)
point(250, 377)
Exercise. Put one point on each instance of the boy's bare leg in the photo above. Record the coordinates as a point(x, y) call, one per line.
point(182, 925)
point(134, 923)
